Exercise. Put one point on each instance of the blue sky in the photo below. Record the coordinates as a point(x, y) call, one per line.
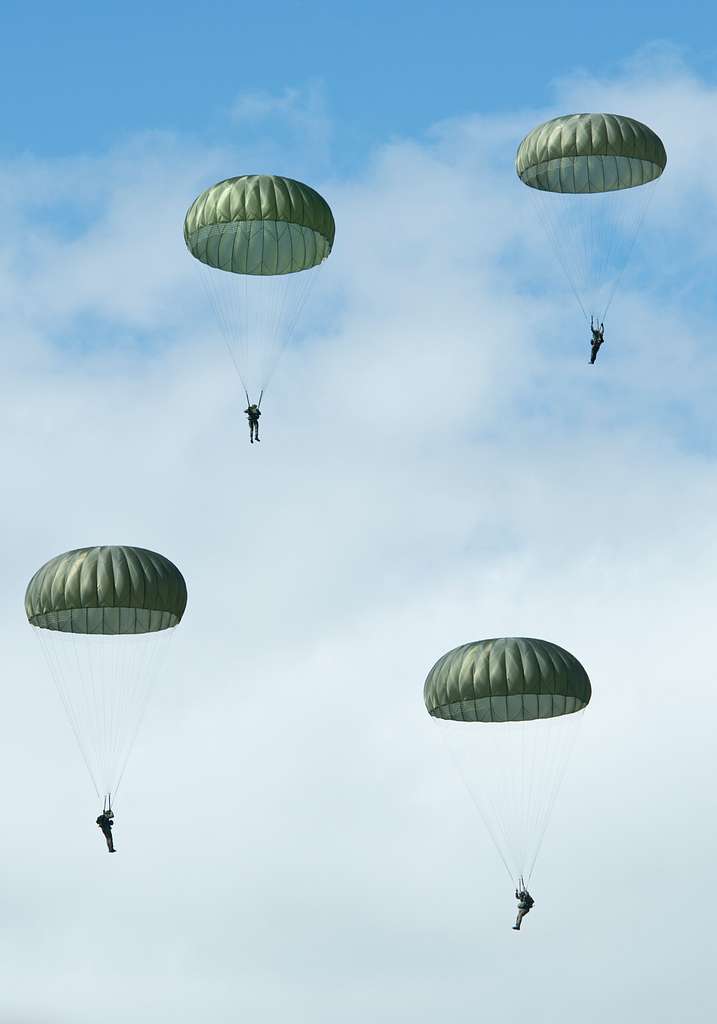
point(78, 77)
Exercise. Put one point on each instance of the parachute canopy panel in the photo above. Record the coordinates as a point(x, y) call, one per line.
point(107, 591)
point(510, 679)
point(580, 153)
point(260, 224)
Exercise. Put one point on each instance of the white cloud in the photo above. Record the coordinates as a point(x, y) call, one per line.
point(438, 464)
point(299, 115)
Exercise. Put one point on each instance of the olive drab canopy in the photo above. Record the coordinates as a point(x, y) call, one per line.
point(506, 680)
point(104, 616)
point(260, 224)
point(259, 240)
point(106, 590)
point(590, 153)
point(592, 177)
point(508, 710)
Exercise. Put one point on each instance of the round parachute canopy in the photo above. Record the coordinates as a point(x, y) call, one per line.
point(581, 153)
point(260, 224)
point(511, 679)
point(106, 591)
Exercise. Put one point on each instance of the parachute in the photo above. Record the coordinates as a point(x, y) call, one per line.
point(508, 711)
point(593, 176)
point(268, 235)
point(103, 615)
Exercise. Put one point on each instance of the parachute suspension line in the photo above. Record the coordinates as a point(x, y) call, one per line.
point(594, 235)
point(527, 795)
point(131, 695)
point(522, 790)
point(488, 825)
point(277, 343)
point(526, 798)
point(88, 699)
point(650, 189)
point(230, 350)
point(140, 671)
point(309, 278)
point(150, 651)
point(565, 748)
point(513, 772)
point(150, 672)
point(508, 803)
point(550, 230)
point(529, 737)
point(606, 248)
point(244, 312)
point(592, 246)
point(58, 677)
point(105, 684)
point(257, 317)
point(215, 296)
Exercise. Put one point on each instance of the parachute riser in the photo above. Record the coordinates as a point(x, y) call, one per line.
point(248, 400)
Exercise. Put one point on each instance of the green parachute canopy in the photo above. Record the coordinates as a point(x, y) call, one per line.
point(584, 153)
point(511, 679)
point(106, 590)
point(260, 224)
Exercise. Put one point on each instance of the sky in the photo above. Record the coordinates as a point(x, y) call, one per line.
point(438, 464)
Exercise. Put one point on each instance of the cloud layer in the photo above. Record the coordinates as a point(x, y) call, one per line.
point(438, 464)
